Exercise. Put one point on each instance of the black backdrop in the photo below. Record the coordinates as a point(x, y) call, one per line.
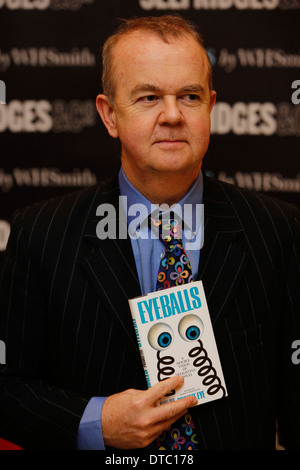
point(52, 140)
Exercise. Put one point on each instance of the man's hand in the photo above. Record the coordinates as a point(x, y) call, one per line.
point(131, 420)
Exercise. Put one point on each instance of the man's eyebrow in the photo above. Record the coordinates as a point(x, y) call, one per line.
point(143, 87)
point(192, 89)
point(149, 87)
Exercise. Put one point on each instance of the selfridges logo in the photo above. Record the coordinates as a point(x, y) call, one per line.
point(256, 58)
point(46, 57)
point(219, 4)
point(45, 116)
point(266, 119)
point(44, 4)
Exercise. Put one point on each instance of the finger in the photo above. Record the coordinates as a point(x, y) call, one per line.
point(169, 411)
point(164, 387)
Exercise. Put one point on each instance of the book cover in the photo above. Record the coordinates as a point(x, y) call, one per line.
point(175, 337)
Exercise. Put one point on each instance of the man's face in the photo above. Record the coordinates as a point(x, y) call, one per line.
point(162, 105)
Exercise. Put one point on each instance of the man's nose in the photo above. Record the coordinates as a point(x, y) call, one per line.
point(170, 112)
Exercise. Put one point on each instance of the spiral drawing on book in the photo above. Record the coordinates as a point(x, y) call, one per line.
point(198, 353)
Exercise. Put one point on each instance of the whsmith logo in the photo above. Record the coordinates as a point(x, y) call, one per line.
point(41, 177)
point(262, 181)
point(46, 57)
point(44, 4)
point(219, 4)
point(45, 116)
point(258, 58)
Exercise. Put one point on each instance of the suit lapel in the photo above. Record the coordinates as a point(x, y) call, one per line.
point(222, 260)
point(111, 270)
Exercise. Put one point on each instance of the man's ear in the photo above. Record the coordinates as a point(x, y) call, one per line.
point(213, 97)
point(107, 113)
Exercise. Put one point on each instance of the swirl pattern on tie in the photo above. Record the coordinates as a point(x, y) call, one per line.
point(181, 437)
point(175, 268)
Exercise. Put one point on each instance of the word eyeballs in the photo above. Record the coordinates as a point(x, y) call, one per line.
point(160, 335)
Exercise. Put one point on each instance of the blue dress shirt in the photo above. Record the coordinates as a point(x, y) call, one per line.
point(147, 251)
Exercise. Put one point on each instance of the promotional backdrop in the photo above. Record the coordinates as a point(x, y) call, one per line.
point(52, 140)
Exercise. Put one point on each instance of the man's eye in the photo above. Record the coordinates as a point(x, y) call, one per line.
point(192, 97)
point(149, 98)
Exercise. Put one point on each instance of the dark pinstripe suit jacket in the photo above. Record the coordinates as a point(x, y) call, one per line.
point(69, 335)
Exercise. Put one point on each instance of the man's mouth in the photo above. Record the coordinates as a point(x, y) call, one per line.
point(170, 142)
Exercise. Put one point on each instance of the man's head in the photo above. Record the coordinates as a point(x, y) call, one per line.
point(167, 28)
point(158, 103)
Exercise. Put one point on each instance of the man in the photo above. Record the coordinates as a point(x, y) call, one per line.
point(64, 294)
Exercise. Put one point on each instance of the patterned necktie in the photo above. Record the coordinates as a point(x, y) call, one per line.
point(174, 270)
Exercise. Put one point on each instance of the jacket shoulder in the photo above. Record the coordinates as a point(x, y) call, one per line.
point(60, 219)
point(71, 204)
point(240, 196)
point(256, 211)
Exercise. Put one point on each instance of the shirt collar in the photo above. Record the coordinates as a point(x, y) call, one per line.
point(189, 206)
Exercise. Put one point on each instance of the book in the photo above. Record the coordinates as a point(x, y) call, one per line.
point(175, 337)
